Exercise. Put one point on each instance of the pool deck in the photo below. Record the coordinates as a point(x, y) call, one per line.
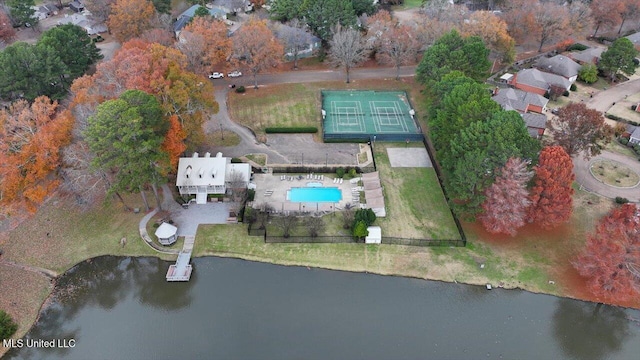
point(271, 190)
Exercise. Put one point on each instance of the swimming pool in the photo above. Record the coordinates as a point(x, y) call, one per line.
point(314, 194)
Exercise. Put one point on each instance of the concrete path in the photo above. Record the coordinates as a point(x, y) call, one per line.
point(590, 183)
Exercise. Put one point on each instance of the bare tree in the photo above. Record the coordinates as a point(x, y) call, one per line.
point(347, 48)
point(398, 46)
point(255, 46)
point(238, 184)
point(551, 21)
point(295, 38)
point(100, 9)
point(286, 223)
point(193, 47)
point(315, 225)
point(348, 216)
point(265, 212)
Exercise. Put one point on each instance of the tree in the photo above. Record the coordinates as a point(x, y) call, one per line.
point(28, 71)
point(578, 129)
point(31, 137)
point(255, 46)
point(551, 195)
point(470, 162)
point(605, 12)
point(126, 136)
point(74, 47)
point(347, 49)
point(493, 32)
point(100, 9)
point(630, 10)
point(315, 225)
point(7, 33)
point(365, 215)
point(551, 20)
point(286, 10)
point(397, 46)
point(452, 52)
point(159, 36)
point(295, 38)
point(507, 199)
point(201, 12)
point(323, 15)
point(286, 223)
point(588, 73)
point(162, 6)
point(347, 218)
point(173, 143)
point(130, 18)
point(619, 56)
point(7, 326)
point(579, 16)
point(360, 230)
point(611, 258)
point(210, 42)
point(363, 7)
point(23, 12)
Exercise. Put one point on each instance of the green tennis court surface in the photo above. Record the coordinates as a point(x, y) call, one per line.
point(386, 115)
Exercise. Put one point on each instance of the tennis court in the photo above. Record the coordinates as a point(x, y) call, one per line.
point(369, 115)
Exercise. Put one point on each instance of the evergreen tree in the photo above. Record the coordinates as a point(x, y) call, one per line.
point(22, 12)
point(619, 56)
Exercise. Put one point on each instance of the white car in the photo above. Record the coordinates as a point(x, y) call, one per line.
point(234, 74)
point(216, 75)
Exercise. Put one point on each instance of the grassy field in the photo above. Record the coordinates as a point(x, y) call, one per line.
point(287, 105)
point(416, 207)
point(409, 4)
point(614, 173)
point(222, 138)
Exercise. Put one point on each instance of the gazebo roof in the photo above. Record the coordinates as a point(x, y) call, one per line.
point(166, 230)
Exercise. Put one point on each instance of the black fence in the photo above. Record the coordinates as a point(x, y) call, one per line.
point(320, 169)
point(422, 242)
point(311, 239)
point(372, 137)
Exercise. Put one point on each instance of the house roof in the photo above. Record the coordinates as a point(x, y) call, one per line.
point(636, 133)
point(184, 18)
point(202, 171)
point(166, 230)
point(590, 55)
point(76, 5)
point(533, 120)
point(635, 38)
point(514, 99)
point(560, 65)
point(541, 80)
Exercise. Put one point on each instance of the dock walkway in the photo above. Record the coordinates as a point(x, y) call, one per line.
point(181, 270)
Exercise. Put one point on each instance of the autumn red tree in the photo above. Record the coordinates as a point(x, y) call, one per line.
point(551, 195)
point(507, 199)
point(579, 129)
point(630, 10)
point(160, 36)
point(174, 141)
point(206, 44)
point(7, 33)
point(606, 12)
point(493, 31)
point(255, 47)
point(31, 136)
point(130, 18)
point(611, 258)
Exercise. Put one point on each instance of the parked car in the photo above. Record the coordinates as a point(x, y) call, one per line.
point(216, 75)
point(235, 73)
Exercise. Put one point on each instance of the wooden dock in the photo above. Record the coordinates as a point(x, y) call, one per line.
point(181, 270)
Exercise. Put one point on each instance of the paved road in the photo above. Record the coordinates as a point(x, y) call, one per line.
point(586, 180)
point(603, 100)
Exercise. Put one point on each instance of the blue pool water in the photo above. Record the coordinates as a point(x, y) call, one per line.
point(315, 194)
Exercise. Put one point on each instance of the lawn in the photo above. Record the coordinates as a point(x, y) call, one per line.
point(409, 4)
point(614, 173)
point(293, 105)
point(416, 207)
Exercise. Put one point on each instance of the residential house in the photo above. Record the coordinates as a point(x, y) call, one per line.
point(44, 11)
point(559, 65)
point(635, 136)
point(232, 6)
point(531, 107)
point(188, 14)
point(76, 6)
point(311, 43)
point(539, 82)
point(587, 56)
point(85, 22)
point(635, 39)
point(203, 176)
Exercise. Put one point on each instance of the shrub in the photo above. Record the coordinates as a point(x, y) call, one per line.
point(240, 89)
point(573, 87)
point(353, 173)
point(291, 130)
point(621, 200)
point(340, 172)
point(236, 161)
point(251, 194)
point(7, 326)
point(634, 107)
point(365, 215)
point(588, 73)
point(565, 93)
point(623, 141)
point(577, 47)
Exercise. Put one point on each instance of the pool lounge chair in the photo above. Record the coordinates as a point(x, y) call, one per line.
point(341, 180)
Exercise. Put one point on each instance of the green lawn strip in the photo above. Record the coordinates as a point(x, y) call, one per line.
point(222, 138)
point(416, 207)
point(621, 149)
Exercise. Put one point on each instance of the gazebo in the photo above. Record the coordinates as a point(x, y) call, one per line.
point(166, 233)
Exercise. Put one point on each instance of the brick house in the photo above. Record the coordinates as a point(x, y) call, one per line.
point(538, 82)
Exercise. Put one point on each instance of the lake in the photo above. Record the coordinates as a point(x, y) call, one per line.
point(122, 308)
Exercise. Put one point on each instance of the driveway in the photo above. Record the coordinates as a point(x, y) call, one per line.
point(587, 181)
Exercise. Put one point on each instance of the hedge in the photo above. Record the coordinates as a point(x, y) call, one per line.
point(617, 118)
point(291, 130)
point(577, 47)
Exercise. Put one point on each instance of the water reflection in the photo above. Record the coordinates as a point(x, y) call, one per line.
point(605, 326)
point(151, 288)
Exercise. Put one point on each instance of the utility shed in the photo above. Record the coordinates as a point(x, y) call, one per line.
point(375, 235)
point(166, 233)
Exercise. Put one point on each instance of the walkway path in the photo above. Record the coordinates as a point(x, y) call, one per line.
point(586, 180)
